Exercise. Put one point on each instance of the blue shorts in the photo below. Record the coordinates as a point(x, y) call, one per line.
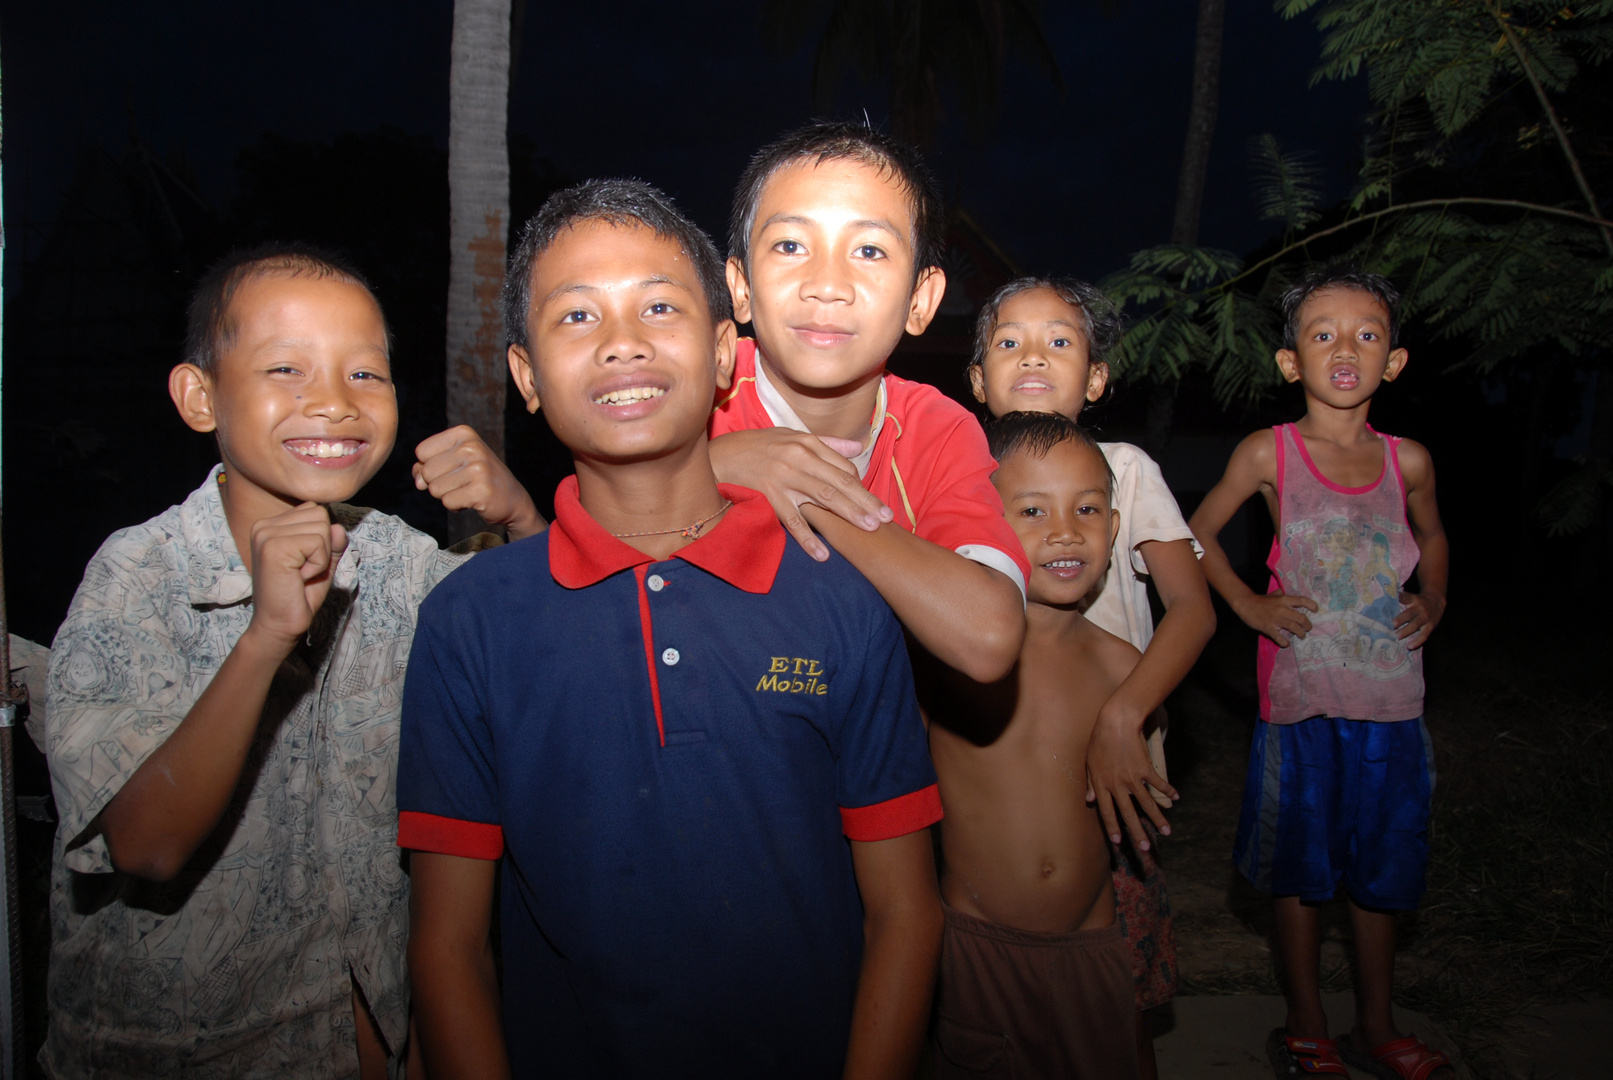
point(1329, 798)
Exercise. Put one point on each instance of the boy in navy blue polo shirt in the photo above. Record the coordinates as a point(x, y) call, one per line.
point(668, 722)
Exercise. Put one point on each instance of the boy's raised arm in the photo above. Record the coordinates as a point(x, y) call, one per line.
point(968, 615)
point(901, 948)
point(456, 995)
point(164, 811)
point(462, 472)
point(1423, 609)
point(1253, 465)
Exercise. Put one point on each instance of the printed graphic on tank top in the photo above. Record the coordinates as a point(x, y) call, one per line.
point(1351, 550)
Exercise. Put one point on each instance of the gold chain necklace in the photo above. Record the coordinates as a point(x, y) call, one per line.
point(691, 532)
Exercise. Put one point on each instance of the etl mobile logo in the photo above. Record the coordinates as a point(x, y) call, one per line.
point(794, 675)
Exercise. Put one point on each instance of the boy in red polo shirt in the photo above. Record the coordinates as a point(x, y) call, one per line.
point(834, 247)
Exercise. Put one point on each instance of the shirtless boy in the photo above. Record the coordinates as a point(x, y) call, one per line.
point(1034, 972)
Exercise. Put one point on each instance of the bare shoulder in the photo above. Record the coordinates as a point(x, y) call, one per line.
point(1257, 452)
point(1416, 463)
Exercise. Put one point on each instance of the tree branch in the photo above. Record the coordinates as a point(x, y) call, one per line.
point(1556, 124)
point(1423, 204)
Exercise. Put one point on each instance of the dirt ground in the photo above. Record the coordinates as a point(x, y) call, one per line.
point(1495, 990)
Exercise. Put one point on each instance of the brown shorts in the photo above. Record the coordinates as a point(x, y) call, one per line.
point(1014, 1003)
point(1143, 913)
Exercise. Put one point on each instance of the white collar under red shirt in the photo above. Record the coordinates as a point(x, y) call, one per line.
point(783, 415)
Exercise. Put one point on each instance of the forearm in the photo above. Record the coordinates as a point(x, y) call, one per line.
point(1187, 626)
point(1434, 565)
point(894, 992)
point(155, 823)
point(457, 1010)
point(1219, 573)
point(968, 615)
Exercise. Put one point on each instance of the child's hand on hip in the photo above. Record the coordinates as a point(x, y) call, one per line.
point(463, 473)
point(1277, 615)
point(293, 557)
point(1419, 614)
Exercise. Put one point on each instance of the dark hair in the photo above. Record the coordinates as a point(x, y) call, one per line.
point(1339, 275)
point(1036, 433)
point(825, 140)
point(209, 329)
point(616, 202)
point(1100, 318)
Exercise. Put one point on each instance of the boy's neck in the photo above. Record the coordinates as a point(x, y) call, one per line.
point(1048, 621)
point(245, 504)
point(1343, 427)
point(844, 412)
point(663, 497)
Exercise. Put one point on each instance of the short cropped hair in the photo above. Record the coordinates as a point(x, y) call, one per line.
point(1339, 275)
point(1101, 323)
point(1036, 433)
point(209, 326)
point(616, 202)
point(826, 140)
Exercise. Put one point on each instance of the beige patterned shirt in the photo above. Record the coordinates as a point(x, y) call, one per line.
point(243, 965)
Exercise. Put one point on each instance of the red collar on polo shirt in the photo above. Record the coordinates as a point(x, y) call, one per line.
point(743, 549)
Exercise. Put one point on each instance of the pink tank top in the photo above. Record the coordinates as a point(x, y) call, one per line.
point(1350, 550)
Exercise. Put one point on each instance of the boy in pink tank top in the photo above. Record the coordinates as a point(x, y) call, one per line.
point(1341, 771)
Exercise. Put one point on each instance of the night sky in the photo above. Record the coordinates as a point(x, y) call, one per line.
point(678, 94)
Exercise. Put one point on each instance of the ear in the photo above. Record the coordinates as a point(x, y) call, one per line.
point(1288, 364)
point(1114, 527)
point(1397, 364)
point(192, 393)
point(977, 381)
point(1097, 379)
point(525, 380)
point(739, 290)
point(927, 294)
point(727, 342)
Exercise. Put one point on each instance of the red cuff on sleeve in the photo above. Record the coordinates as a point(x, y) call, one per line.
point(894, 817)
point(449, 836)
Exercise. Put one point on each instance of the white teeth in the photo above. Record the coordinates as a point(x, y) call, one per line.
point(1064, 563)
point(630, 395)
point(323, 449)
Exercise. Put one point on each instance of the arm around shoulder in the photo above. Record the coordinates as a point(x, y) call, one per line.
point(970, 616)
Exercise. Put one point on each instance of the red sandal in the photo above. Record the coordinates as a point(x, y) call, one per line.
point(1302, 1057)
point(1398, 1059)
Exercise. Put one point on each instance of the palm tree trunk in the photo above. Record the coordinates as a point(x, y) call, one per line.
point(1190, 185)
point(478, 220)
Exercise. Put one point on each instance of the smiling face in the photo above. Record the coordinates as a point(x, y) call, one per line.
point(1059, 504)
point(301, 399)
point(1038, 359)
point(1342, 351)
point(831, 286)
point(624, 358)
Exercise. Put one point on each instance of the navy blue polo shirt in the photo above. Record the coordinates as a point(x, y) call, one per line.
point(670, 757)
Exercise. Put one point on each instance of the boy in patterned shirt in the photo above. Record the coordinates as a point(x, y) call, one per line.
point(227, 898)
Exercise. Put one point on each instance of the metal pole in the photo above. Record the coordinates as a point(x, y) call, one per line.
point(11, 1021)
